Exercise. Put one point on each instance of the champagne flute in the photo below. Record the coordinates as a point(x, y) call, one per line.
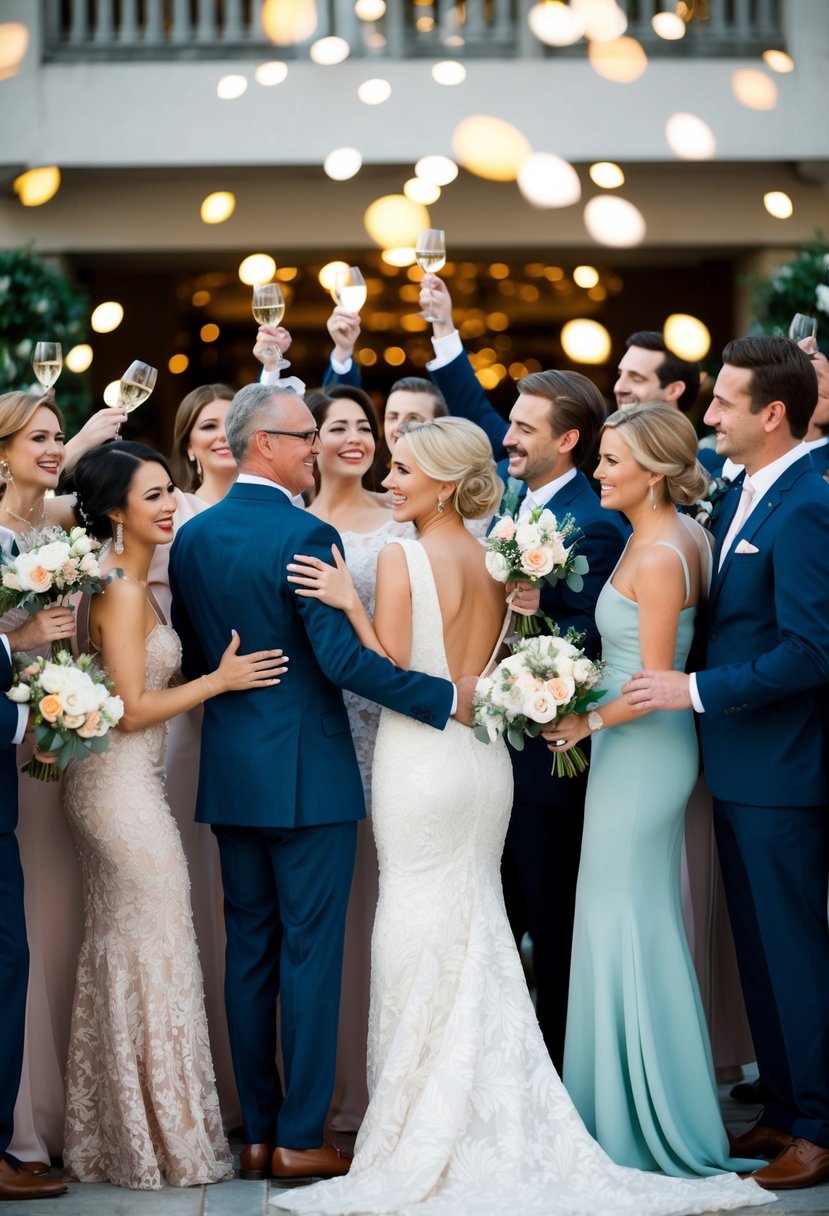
point(430, 255)
point(47, 362)
point(802, 326)
point(137, 382)
point(350, 289)
point(268, 306)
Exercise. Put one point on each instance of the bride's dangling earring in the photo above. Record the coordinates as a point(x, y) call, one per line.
point(653, 499)
point(118, 546)
point(6, 474)
point(441, 505)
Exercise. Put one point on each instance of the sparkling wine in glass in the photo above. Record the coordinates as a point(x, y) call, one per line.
point(430, 254)
point(137, 382)
point(350, 289)
point(268, 306)
point(47, 362)
point(802, 326)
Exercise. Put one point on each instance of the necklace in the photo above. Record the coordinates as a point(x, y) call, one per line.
point(28, 523)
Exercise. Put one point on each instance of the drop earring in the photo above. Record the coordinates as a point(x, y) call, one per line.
point(441, 506)
point(194, 460)
point(119, 538)
point(653, 499)
point(6, 474)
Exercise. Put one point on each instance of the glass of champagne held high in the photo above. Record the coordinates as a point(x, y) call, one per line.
point(430, 254)
point(268, 306)
point(137, 382)
point(47, 362)
point(350, 289)
point(802, 326)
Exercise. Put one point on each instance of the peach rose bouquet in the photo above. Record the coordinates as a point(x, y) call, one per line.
point(545, 677)
point(534, 551)
point(73, 708)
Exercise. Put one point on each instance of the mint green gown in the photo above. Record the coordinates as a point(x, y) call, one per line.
point(637, 1059)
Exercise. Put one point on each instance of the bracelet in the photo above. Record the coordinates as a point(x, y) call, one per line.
point(210, 690)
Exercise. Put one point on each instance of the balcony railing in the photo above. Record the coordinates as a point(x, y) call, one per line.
point(106, 30)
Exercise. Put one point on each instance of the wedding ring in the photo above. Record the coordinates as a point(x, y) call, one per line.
point(560, 742)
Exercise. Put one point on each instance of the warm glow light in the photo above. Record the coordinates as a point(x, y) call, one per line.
point(778, 204)
point(394, 355)
point(607, 175)
point(754, 89)
point(200, 298)
point(585, 341)
point(439, 170)
point(285, 274)
point(231, 87)
point(449, 71)
point(36, 186)
point(611, 220)
point(687, 336)
point(342, 163)
point(586, 276)
point(374, 92)
point(490, 147)
point(395, 220)
point(555, 24)
point(218, 207)
point(369, 10)
point(271, 73)
point(669, 26)
point(14, 42)
point(402, 255)
point(106, 317)
point(690, 137)
point(112, 393)
point(209, 332)
point(79, 357)
point(420, 191)
point(257, 268)
point(328, 274)
point(621, 60)
point(545, 180)
point(178, 364)
point(603, 19)
point(778, 61)
point(288, 21)
point(328, 51)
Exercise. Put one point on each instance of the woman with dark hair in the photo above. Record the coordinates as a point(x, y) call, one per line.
point(142, 1107)
point(345, 498)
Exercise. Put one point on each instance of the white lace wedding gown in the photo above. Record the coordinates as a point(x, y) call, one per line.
point(467, 1114)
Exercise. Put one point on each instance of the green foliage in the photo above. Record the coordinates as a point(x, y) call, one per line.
point(802, 285)
point(39, 304)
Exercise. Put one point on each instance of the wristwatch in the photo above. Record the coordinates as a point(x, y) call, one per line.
point(595, 721)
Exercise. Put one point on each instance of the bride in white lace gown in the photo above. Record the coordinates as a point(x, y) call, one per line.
point(141, 1101)
point(467, 1115)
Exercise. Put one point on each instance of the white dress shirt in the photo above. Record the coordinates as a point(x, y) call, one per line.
point(252, 479)
point(541, 496)
point(446, 349)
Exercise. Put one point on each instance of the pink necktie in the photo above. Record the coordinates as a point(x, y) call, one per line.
point(743, 508)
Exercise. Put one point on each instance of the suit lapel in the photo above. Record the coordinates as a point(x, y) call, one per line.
point(729, 510)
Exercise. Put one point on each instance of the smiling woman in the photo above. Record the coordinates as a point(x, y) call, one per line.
point(201, 460)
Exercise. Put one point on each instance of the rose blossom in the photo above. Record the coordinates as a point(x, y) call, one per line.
point(73, 721)
point(527, 536)
point(542, 708)
point(584, 672)
point(20, 694)
point(497, 565)
point(88, 727)
point(561, 688)
point(31, 575)
point(69, 570)
point(504, 529)
point(50, 707)
point(89, 564)
point(52, 556)
point(537, 562)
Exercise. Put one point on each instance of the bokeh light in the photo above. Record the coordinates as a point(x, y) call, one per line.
point(37, 186)
point(107, 317)
point(14, 42)
point(287, 21)
point(79, 358)
point(374, 92)
point(448, 72)
point(555, 23)
point(585, 341)
point(778, 204)
point(439, 170)
point(257, 268)
point(607, 175)
point(342, 163)
point(271, 73)
point(545, 180)
point(230, 87)
point(614, 221)
point(690, 137)
point(395, 220)
point(687, 336)
point(218, 207)
point(621, 60)
point(490, 147)
point(754, 89)
point(329, 51)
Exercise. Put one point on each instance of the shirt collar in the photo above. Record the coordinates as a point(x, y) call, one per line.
point(252, 479)
point(537, 498)
point(763, 479)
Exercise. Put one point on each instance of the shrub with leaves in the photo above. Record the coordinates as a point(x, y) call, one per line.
point(802, 285)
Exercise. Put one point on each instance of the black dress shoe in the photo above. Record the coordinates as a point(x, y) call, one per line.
point(749, 1092)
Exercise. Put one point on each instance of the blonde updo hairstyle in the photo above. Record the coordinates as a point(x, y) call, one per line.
point(16, 411)
point(454, 449)
point(662, 440)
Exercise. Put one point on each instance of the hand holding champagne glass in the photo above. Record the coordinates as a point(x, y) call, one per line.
point(802, 326)
point(430, 254)
point(350, 289)
point(47, 362)
point(137, 382)
point(268, 307)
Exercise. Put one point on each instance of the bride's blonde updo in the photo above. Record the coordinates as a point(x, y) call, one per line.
point(454, 449)
point(662, 440)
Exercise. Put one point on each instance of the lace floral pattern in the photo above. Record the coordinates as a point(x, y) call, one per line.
point(142, 1107)
point(467, 1114)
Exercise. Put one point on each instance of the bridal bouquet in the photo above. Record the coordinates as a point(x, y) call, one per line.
point(534, 551)
point(72, 705)
point(544, 678)
point(55, 563)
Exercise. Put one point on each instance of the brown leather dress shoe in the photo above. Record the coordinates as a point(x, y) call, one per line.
point(255, 1161)
point(16, 1183)
point(760, 1141)
point(39, 1168)
point(801, 1164)
point(324, 1162)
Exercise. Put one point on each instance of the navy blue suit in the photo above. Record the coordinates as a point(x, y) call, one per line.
point(543, 845)
point(280, 785)
point(820, 459)
point(14, 952)
point(351, 377)
point(765, 744)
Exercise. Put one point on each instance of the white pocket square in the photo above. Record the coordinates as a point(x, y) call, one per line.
point(745, 547)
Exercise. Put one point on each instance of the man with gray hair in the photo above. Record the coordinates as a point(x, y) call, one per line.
point(278, 780)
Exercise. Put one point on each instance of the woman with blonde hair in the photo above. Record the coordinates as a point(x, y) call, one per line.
point(466, 1113)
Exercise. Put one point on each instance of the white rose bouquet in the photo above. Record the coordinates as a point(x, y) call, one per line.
point(534, 551)
point(72, 705)
point(545, 677)
point(54, 564)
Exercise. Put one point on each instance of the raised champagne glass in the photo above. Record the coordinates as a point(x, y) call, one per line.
point(350, 289)
point(47, 362)
point(137, 382)
point(430, 255)
point(268, 307)
point(802, 326)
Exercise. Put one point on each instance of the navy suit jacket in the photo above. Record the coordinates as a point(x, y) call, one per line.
point(352, 377)
point(765, 687)
point(280, 756)
point(820, 459)
point(465, 398)
point(9, 719)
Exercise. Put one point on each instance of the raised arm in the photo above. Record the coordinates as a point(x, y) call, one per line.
point(344, 328)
